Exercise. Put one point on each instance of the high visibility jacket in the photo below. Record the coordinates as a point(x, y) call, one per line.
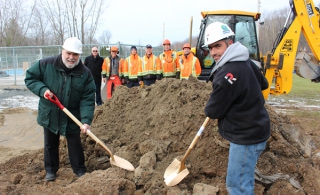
point(148, 66)
point(106, 70)
point(130, 66)
point(168, 63)
point(189, 65)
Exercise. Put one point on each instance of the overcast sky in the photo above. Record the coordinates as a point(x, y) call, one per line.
point(142, 22)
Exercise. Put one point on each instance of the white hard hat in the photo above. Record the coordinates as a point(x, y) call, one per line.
point(216, 31)
point(73, 44)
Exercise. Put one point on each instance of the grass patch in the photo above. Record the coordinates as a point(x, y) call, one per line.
point(304, 88)
point(302, 104)
point(303, 91)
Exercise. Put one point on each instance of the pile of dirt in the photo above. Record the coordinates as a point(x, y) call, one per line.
point(152, 126)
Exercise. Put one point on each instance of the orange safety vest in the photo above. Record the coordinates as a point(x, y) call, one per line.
point(189, 66)
point(131, 65)
point(168, 63)
point(106, 67)
point(148, 65)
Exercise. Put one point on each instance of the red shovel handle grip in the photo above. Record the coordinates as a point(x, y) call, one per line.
point(55, 100)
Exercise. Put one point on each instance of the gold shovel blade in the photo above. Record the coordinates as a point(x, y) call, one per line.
point(172, 176)
point(122, 163)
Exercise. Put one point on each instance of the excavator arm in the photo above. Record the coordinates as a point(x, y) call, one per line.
point(279, 64)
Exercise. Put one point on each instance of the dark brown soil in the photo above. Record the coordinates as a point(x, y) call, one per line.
point(152, 126)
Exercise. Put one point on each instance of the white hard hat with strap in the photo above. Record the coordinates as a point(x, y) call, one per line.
point(216, 31)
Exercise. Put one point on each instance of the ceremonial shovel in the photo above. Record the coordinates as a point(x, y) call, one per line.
point(177, 170)
point(115, 160)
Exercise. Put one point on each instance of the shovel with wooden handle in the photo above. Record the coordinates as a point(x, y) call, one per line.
point(115, 160)
point(177, 170)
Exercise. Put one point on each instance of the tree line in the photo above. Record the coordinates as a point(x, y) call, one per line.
point(43, 22)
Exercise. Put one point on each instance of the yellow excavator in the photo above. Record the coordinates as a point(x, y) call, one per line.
point(279, 64)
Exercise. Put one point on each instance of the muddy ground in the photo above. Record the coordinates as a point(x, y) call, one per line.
point(152, 126)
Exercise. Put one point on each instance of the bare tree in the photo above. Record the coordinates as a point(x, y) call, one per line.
point(56, 15)
point(90, 13)
point(40, 33)
point(105, 37)
point(273, 23)
point(71, 17)
point(15, 22)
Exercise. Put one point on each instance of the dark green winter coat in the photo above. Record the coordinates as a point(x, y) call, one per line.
point(75, 91)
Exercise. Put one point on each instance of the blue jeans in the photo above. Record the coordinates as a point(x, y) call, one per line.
point(241, 165)
point(133, 84)
point(149, 82)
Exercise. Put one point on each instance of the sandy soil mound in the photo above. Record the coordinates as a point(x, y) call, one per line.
point(152, 126)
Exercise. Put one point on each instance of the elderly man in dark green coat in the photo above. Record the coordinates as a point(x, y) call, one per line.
point(66, 77)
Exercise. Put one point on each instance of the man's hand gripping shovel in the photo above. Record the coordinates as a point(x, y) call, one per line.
point(115, 160)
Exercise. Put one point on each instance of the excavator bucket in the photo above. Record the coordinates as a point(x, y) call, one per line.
point(307, 66)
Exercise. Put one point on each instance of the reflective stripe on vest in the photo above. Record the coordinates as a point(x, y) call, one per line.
point(146, 71)
point(163, 60)
point(193, 69)
point(129, 69)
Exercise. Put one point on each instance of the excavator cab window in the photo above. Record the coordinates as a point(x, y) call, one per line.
point(245, 32)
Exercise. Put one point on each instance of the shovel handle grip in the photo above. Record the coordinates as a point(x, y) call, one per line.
point(196, 138)
point(55, 100)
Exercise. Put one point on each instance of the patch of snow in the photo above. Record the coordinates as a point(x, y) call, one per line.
point(19, 101)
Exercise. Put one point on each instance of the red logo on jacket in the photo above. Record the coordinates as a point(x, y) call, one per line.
point(230, 78)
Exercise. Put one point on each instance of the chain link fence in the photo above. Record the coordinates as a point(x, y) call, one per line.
point(14, 61)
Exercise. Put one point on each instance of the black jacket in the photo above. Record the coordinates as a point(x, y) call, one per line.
point(238, 104)
point(95, 66)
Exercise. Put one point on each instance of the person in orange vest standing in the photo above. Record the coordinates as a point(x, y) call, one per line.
point(130, 68)
point(189, 64)
point(168, 62)
point(147, 72)
point(111, 71)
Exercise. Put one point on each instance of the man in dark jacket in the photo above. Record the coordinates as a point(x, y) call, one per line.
point(66, 77)
point(238, 104)
point(94, 63)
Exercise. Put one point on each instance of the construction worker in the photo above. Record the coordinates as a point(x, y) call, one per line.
point(189, 64)
point(147, 72)
point(238, 104)
point(130, 68)
point(111, 71)
point(168, 62)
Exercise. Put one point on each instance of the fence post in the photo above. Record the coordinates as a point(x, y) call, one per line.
point(14, 66)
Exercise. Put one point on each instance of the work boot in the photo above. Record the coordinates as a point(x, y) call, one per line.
point(50, 176)
point(80, 174)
